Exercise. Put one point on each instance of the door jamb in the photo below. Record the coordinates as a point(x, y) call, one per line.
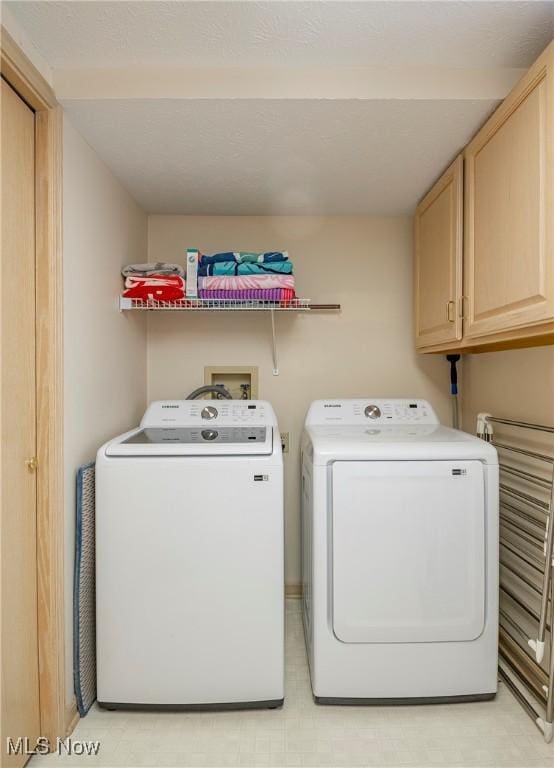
point(20, 73)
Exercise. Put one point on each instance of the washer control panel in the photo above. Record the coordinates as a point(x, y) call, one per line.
point(376, 411)
point(372, 411)
point(209, 414)
point(229, 411)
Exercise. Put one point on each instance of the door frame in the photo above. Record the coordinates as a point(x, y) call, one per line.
point(26, 80)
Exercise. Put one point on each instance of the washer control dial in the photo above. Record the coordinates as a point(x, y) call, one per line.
point(209, 412)
point(372, 411)
point(209, 434)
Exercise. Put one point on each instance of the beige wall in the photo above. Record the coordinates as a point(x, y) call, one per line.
point(367, 350)
point(104, 350)
point(517, 384)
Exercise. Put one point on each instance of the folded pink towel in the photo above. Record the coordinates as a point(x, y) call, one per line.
point(249, 294)
point(245, 282)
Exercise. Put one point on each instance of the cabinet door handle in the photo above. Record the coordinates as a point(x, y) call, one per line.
point(461, 306)
point(450, 311)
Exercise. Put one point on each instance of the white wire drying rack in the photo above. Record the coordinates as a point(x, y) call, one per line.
point(229, 305)
point(526, 646)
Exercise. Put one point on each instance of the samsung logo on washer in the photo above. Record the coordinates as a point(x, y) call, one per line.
point(332, 405)
point(170, 406)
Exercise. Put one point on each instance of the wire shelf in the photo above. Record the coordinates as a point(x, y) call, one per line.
point(232, 305)
point(219, 305)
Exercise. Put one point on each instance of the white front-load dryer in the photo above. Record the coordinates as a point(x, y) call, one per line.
point(189, 559)
point(400, 555)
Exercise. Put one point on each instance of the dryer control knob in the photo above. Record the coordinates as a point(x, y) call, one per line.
point(209, 412)
point(372, 411)
point(209, 434)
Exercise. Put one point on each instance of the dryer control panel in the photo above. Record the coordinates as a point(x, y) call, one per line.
point(371, 411)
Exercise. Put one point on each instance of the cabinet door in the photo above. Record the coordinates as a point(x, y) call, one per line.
point(438, 261)
point(509, 211)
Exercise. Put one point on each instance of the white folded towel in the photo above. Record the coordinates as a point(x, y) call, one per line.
point(154, 268)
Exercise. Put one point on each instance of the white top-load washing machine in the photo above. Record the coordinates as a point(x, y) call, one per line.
point(400, 554)
point(189, 558)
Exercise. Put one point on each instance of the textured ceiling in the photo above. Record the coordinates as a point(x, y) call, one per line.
point(248, 155)
point(455, 34)
point(280, 157)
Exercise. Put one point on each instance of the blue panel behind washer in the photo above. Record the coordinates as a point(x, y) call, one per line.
point(84, 592)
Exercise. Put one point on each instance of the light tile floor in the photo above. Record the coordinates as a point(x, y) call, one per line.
point(496, 733)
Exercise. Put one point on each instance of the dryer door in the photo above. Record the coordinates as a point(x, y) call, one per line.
point(408, 551)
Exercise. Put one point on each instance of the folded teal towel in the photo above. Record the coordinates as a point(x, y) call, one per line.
point(244, 256)
point(247, 268)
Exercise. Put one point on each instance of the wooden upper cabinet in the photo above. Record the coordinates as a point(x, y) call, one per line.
point(509, 214)
point(438, 261)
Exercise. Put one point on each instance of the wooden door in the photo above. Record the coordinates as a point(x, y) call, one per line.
point(509, 210)
point(19, 667)
point(438, 262)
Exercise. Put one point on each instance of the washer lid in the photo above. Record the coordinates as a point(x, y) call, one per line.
point(208, 440)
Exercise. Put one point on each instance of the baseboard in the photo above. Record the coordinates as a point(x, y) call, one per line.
point(71, 717)
point(293, 591)
point(407, 701)
point(111, 706)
